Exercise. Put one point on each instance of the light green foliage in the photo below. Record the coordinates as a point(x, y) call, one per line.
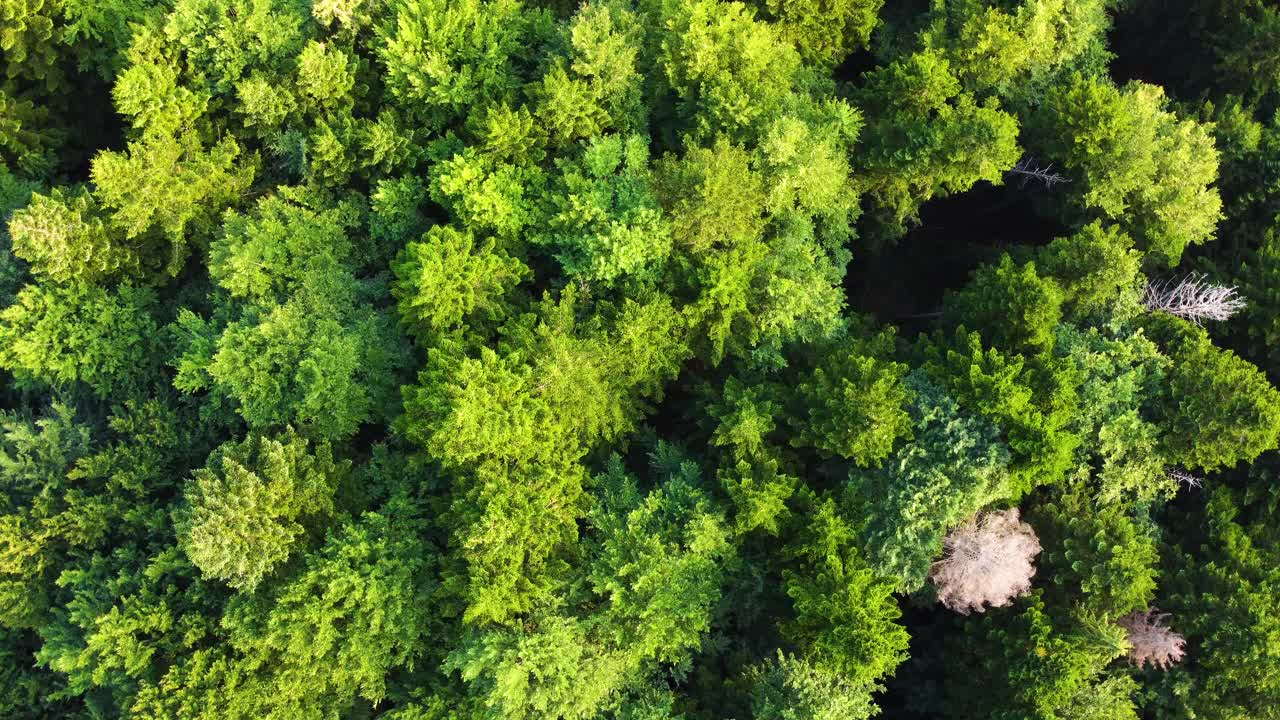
point(714, 196)
point(1016, 52)
point(729, 70)
point(595, 86)
point(604, 219)
point(1220, 575)
point(1012, 306)
point(751, 470)
point(444, 56)
point(357, 611)
point(1096, 268)
point(150, 92)
point(825, 32)
point(446, 278)
point(512, 428)
point(1121, 380)
point(345, 14)
point(326, 76)
point(550, 671)
point(1098, 549)
point(1217, 408)
point(1132, 161)
point(284, 250)
point(303, 346)
point(292, 365)
point(789, 688)
point(756, 291)
point(953, 466)
point(98, 33)
point(220, 44)
point(486, 194)
point(654, 573)
point(170, 186)
point(804, 157)
point(336, 337)
point(55, 335)
point(64, 237)
point(844, 614)
point(248, 32)
point(251, 506)
point(855, 400)
point(925, 137)
point(745, 418)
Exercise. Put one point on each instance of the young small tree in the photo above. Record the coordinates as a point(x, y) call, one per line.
point(987, 562)
point(1151, 640)
point(1191, 298)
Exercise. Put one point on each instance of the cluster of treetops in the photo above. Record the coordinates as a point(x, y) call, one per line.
point(464, 359)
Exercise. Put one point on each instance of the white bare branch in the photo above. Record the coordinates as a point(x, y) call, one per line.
point(1184, 477)
point(1192, 298)
point(987, 562)
point(1028, 170)
point(1151, 640)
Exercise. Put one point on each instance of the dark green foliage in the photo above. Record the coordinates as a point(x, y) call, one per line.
point(1030, 403)
point(1033, 664)
point(304, 344)
point(826, 32)
point(1097, 553)
point(953, 465)
point(926, 136)
point(1122, 379)
point(1221, 575)
point(1217, 407)
point(359, 605)
point(789, 688)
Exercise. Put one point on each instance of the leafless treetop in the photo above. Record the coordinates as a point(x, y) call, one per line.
point(1151, 640)
point(1192, 298)
point(1184, 477)
point(1028, 170)
point(988, 561)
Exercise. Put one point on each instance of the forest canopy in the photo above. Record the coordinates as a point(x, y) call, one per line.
point(639, 359)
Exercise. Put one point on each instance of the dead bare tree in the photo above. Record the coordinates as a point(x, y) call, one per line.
point(1192, 298)
point(1184, 477)
point(1028, 170)
point(987, 562)
point(1151, 640)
